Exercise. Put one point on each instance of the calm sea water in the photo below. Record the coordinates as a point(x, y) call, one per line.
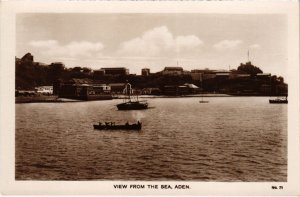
point(227, 139)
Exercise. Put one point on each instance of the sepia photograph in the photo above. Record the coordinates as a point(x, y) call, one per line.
point(153, 97)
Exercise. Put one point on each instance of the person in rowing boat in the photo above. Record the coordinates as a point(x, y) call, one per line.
point(127, 123)
point(139, 124)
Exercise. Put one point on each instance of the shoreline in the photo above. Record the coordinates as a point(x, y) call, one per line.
point(43, 99)
point(56, 99)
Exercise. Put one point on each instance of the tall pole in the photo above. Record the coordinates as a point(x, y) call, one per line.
point(248, 55)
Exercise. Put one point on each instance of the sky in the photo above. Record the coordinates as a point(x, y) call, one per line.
point(136, 41)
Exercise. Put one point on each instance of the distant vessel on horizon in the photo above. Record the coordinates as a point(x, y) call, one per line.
point(130, 104)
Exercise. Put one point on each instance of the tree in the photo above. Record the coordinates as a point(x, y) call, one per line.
point(77, 69)
point(249, 69)
point(280, 79)
point(55, 71)
point(86, 70)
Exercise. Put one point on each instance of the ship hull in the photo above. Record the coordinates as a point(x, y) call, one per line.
point(278, 101)
point(132, 106)
point(118, 127)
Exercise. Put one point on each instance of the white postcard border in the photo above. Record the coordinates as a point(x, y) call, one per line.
point(7, 107)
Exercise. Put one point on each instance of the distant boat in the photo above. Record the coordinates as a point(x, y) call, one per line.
point(112, 126)
point(202, 101)
point(278, 101)
point(133, 105)
point(129, 103)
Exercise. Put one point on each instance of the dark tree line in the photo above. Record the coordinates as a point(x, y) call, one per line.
point(31, 74)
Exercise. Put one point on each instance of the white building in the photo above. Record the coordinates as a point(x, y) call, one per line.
point(44, 89)
point(101, 88)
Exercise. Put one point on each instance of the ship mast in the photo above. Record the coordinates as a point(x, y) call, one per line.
point(248, 55)
point(127, 92)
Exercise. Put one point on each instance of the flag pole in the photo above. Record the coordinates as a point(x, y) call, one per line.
point(248, 55)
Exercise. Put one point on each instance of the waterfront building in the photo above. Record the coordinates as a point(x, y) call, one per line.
point(101, 89)
point(117, 88)
point(24, 93)
point(181, 90)
point(84, 89)
point(170, 90)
